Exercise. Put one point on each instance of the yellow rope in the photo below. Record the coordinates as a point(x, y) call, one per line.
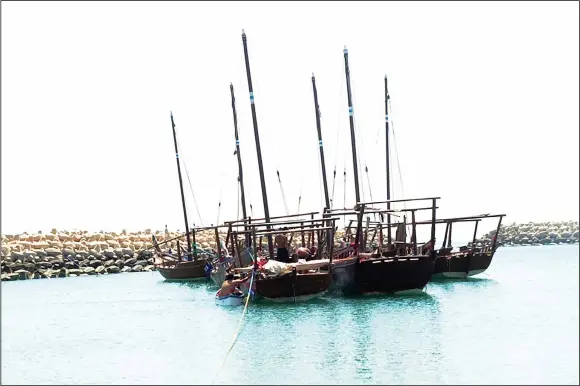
point(236, 334)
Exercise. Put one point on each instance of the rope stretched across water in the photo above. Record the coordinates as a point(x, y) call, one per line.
point(237, 333)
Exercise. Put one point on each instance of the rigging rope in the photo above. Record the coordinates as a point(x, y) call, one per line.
point(300, 192)
point(337, 147)
point(344, 194)
point(359, 157)
point(333, 185)
point(392, 125)
point(238, 211)
point(299, 199)
point(370, 191)
point(219, 208)
point(283, 195)
point(369, 182)
point(359, 137)
point(189, 180)
point(239, 179)
point(320, 181)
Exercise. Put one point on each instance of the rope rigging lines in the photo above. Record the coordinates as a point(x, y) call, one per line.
point(282, 191)
point(182, 159)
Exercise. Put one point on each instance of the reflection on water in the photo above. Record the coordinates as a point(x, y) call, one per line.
point(518, 324)
point(450, 285)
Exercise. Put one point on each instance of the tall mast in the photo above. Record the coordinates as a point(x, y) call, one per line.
point(388, 161)
point(317, 112)
point(329, 234)
point(258, 148)
point(240, 170)
point(351, 118)
point(181, 185)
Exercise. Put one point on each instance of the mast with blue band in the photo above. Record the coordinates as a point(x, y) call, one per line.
point(240, 169)
point(351, 119)
point(258, 148)
point(319, 130)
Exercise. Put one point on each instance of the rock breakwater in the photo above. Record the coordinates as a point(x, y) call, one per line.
point(537, 233)
point(82, 253)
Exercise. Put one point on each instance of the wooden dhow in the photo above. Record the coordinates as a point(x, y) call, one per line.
point(468, 260)
point(399, 267)
point(299, 280)
point(187, 265)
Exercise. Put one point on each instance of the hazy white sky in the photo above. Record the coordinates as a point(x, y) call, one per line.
point(484, 97)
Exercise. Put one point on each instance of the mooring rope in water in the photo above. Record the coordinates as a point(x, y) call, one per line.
point(237, 333)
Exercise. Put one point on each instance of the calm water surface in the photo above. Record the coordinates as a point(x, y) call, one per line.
point(518, 323)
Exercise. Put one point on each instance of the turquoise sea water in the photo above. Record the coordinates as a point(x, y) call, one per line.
point(518, 323)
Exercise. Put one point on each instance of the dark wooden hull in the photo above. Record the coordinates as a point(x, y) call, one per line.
point(460, 266)
point(403, 274)
point(183, 271)
point(344, 275)
point(293, 286)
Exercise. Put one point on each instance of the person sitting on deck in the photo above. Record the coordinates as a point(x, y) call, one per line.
point(230, 286)
point(303, 253)
point(282, 254)
point(313, 251)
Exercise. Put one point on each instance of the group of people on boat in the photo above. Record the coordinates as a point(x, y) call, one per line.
point(283, 250)
point(231, 285)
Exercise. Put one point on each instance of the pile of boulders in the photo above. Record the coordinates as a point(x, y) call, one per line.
point(543, 233)
point(81, 253)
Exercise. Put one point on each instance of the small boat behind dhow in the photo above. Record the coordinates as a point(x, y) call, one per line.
point(185, 270)
point(180, 268)
point(191, 265)
point(230, 300)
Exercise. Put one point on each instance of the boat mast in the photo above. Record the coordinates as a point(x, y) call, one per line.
point(181, 186)
point(351, 119)
point(353, 145)
point(323, 165)
point(240, 170)
point(258, 148)
point(319, 130)
point(388, 162)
